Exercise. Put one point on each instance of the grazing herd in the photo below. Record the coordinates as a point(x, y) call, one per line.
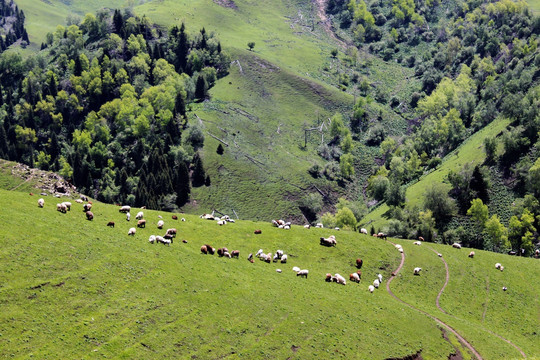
point(278, 256)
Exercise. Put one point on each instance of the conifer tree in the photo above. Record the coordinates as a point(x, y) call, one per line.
point(181, 184)
point(199, 175)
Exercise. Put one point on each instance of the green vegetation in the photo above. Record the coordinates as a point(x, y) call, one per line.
point(83, 288)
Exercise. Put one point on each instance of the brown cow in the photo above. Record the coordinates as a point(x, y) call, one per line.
point(359, 263)
point(258, 231)
point(174, 217)
point(89, 215)
point(141, 223)
point(235, 253)
point(110, 223)
point(204, 249)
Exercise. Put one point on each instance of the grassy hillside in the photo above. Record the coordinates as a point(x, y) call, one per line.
point(260, 112)
point(72, 288)
point(471, 151)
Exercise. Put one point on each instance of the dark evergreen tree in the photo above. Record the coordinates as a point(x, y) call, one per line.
point(479, 184)
point(118, 22)
point(200, 88)
point(199, 175)
point(181, 184)
point(220, 149)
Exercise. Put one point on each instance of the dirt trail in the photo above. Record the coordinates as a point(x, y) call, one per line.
point(483, 315)
point(326, 23)
point(440, 322)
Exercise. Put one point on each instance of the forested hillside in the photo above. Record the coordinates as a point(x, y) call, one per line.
point(104, 104)
point(478, 63)
point(116, 104)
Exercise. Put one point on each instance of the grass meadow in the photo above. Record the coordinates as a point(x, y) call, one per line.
point(72, 288)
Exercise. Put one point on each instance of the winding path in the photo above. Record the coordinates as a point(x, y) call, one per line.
point(440, 322)
point(441, 309)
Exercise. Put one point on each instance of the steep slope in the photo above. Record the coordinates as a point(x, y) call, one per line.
point(74, 288)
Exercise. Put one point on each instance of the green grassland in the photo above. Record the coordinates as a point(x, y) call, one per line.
point(72, 288)
point(471, 151)
point(535, 5)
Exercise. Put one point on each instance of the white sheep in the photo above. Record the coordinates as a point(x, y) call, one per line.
point(279, 253)
point(226, 254)
point(40, 203)
point(417, 270)
point(371, 288)
point(166, 242)
point(379, 276)
point(340, 279)
point(67, 204)
point(303, 273)
point(152, 239)
point(132, 231)
point(439, 254)
point(183, 219)
point(502, 268)
point(284, 259)
point(417, 243)
point(319, 225)
point(125, 209)
point(79, 201)
point(160, 239)
point(400, 250)
point(139, 215)
point(259, 253)
point(498, 266)
point(504, 288)
point(160, 224)
point(296, 269)
point(221, 222)
point(330, 241)
point(275, 258)
point(287, 227)
point(376, 283)
point(307, 226)
point(128, 216)
point(278, 270)
point(363, 231)
point(456, 245)
point(398, 246)
point(61, 207)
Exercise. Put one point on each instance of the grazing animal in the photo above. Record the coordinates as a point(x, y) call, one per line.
point(471, 254)
point(330, 241)
point(537, 253)
point(183, 219)
point(329, 277)
point(67, 204)
point(141, 223)
point(376, 283)
point(160, 224)
point(498, 266)
point(307, 226)
point(204, 249)
point(501, 268)
point(268, 258)
point(259, 253)
point(371, 288)
point(40, 203)
point(87, 207)
point(303, 273)
point(221, 222)
point(319, 225)
point(152, 239)
point(354, 277)
point(417, 270)
point(456, 245)
point(417, 243)
point(128, 216)
point(132, 231)
point(125, 209)
point(363, 231)
point(79, 201)
point(174, 217)
point(250, 256)
point(84, 198)
point(439, 254)
point(379, 276)
point(278, 271)
point(283, 259)
point(167, 242)
point(235, 253)
point(61, 207)
point(226, 254)
point(420, 238)
point(139, 215)
point(504, 288)
point(359, 263)
point(89, 215)
point(171, 232)
point(210, 249)
point(296, 268)
point(340, 279)
point(110, 223)
point(381, 235)
point(220, 252)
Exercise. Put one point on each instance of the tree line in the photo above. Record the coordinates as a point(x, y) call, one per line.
point(104, 104)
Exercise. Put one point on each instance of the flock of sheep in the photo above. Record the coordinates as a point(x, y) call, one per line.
point(278, 256)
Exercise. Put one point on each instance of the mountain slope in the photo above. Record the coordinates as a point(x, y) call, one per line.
point(73, 288)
